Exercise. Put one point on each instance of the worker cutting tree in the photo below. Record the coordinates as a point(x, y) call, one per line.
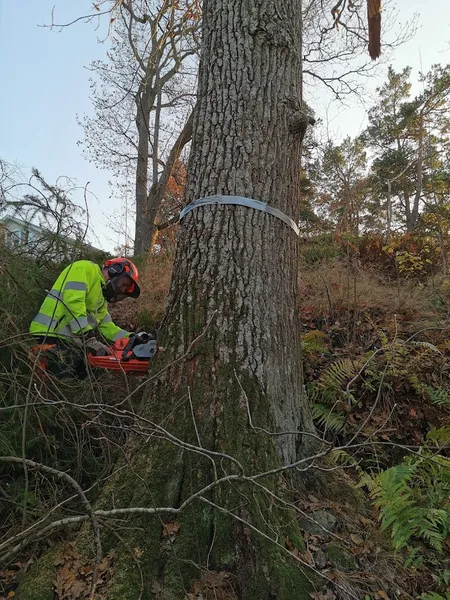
point(76, 308)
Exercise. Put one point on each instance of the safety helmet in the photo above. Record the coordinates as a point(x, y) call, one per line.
point(122, 266)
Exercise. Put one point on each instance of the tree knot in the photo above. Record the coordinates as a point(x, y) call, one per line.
point(300, 116)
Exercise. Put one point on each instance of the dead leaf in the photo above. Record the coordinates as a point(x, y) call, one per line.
point(171, 529)
point(59, 561)
point(314, 547)
point(156, 588)
point(76, 589)
point(289, 545)
point(304, 556)
point(357, 539)
point(196, 587)
point(106, 562)
point(58, 587)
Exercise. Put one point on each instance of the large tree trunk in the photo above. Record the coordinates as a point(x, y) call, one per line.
point(233, 318)
point(235, 281)
point(144, 101)
point(236, 268)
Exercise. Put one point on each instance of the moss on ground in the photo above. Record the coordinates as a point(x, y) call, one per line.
point(340, 558)
point(38, 582)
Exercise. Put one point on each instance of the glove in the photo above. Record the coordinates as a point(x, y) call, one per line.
point(96, 348)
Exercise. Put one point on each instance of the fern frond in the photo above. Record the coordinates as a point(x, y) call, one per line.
point(438, 396)
point(440, 436)
point(332, 382)
point(412, 499)
point(383, 338)
point(326, 418)
point(434, 528)
point(425, 345)
point(341, 457)
point(369, 481)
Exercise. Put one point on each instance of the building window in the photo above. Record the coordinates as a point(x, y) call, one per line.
point(16, 238)
point(10, 238)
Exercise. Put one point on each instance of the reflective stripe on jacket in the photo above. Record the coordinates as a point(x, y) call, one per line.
point(75, 305)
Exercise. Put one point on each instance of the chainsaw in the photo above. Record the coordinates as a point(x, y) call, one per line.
point(128, 355)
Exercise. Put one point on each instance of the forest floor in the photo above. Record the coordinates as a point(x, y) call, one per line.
point(376, 352)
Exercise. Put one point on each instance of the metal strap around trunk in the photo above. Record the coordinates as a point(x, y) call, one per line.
point(241, 201)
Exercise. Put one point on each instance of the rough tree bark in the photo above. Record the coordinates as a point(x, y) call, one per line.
point(233, 316)
point(236, 269)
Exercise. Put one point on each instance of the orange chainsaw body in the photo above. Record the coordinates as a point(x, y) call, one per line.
point(116, 362)
point(121, 359)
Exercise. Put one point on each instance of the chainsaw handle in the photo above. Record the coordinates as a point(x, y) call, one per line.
point(127, 352)
point(135, 340)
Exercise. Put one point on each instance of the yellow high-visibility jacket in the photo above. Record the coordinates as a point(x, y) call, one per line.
point(75, 305)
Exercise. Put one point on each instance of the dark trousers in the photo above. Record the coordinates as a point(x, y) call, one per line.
point(62, 359)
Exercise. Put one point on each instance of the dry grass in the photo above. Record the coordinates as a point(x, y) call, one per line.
point(327, 288)
point(331, 287)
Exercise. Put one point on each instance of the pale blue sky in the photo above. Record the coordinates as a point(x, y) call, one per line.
point(44, 84)
point(430, 45)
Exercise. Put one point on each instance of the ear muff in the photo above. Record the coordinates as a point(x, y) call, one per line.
point(115, 269)
point(109, 291)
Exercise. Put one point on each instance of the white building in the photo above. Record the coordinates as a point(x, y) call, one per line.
point(15, 233)
point(33, 240)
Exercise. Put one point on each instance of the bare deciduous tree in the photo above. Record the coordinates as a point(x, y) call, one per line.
point(143, 96)
point(336, 41)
